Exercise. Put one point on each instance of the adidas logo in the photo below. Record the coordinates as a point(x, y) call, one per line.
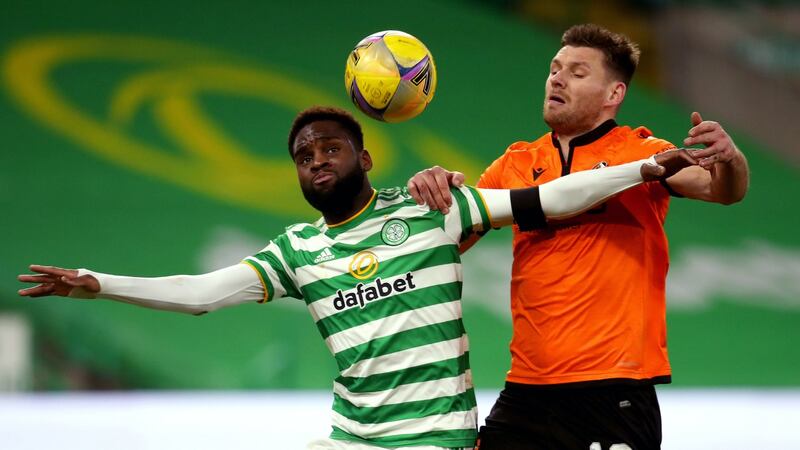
point(325, 255)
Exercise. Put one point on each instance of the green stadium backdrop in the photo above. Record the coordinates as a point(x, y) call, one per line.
point(149, 138)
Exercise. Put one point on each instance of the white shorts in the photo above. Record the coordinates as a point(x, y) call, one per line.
point(336, 444)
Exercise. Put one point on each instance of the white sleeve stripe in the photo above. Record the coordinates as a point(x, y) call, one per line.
point(476, 218)
point(452, 222)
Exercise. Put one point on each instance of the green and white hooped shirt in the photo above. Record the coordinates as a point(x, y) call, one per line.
point(384, 289)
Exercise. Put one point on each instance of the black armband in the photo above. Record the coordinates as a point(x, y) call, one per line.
point(526, 207)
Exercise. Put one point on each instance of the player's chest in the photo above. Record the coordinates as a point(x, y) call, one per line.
point(389, 244)
point(547, 164)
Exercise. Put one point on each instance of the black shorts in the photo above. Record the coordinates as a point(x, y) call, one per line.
point(587, 417)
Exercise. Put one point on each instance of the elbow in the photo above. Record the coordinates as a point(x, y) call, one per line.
point(196, 300)
point(730, 201)
point(733, 198)
point(193, 310)
point(730, 196)
point(199, 306)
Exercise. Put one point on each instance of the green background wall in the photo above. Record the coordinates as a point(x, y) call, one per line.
point(148, 138)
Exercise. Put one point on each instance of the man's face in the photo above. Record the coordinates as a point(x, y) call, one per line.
point(330, 170)
point(576, 90)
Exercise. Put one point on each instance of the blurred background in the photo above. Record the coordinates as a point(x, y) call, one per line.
point(149, 138)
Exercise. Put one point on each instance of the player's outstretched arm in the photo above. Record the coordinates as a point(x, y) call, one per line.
point(578, 192)
point(193, 294)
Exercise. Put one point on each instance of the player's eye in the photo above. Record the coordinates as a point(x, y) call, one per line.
point(333, 149)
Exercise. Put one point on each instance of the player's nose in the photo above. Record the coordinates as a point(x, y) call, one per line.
point(556, 79)
point(320, 160)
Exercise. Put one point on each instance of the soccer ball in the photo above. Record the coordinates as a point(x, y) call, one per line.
point(390, 76)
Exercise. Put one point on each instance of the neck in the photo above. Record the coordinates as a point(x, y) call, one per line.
point(360, 201)
point(565, 138)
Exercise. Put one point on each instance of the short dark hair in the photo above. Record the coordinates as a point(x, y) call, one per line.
point(622, 54)
point(320, 113)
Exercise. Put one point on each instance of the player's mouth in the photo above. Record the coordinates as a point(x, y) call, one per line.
point(322, 178)
point(556, 99)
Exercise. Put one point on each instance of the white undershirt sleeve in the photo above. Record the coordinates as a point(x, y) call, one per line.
point(570, 195)
point(498, 204)
point(578, 192)
point(193, 294)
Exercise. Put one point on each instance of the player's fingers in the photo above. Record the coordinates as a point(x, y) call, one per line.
point(651, 172)
point(706, 138)
point(709, 157)
point(686, 157)
point(707, 163)
point(696, 118)
point(443, 189)
point(36, 279)
point(711, 150)
point(723, 156)
point(427, 199)
point(705, 127)
point(414, 192)
point(50, 270)
point(457, 179)
point(438, 201)
point(37, 291)
point(434, 198)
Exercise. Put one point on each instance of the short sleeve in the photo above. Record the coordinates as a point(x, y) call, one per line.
point(274, 271)
point(467, 215)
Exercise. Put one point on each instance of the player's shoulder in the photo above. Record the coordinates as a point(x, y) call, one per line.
point(303, 230)
point(392, 192)
point(521, 152)
point(530, 146)
point(392, 198)
point(642, 137)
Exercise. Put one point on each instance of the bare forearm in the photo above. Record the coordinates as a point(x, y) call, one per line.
point(730, 181)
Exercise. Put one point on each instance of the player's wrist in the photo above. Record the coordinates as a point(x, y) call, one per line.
point(81, 292)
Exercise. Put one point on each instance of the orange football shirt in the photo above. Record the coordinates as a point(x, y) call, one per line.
point(588, 293)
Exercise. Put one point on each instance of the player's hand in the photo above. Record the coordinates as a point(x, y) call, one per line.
point(432, 187)
point(56, 281)
point(719, 146)
point(669, 163)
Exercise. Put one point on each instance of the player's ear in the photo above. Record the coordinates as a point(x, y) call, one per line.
point(365, 160)
point(616, 94)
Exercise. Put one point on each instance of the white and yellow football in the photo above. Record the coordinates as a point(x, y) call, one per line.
point(390, 76)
